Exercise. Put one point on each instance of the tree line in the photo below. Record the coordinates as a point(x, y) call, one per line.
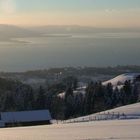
point(16, 96)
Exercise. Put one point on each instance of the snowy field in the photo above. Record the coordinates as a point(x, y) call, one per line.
point(99, 130)
point(121, 113)
point(127, 128)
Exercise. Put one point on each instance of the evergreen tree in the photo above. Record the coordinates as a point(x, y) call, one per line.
point(29, 100)
point(89, 98)
point(69, 102)
point(109, 95)
point(58, 108)
point(41, 99)
point(127, 91)
point(8, 102)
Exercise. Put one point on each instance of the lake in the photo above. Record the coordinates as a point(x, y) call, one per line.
point(99, 49)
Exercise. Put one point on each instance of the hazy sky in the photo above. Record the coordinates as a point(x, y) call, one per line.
point(98, 13)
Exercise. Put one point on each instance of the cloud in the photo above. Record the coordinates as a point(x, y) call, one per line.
point(112, 11)
point(127, 11)
point(7, 6)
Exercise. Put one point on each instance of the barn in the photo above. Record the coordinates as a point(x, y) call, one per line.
point(25, 118)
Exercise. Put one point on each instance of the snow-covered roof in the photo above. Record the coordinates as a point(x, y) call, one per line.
point(26, 116)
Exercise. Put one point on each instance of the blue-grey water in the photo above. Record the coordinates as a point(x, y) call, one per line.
point(76, 50)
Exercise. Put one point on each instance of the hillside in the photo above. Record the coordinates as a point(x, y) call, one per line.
point(10, 31)
point(70, 29)
point(101, 130)
point(13, 94)
point(120, 80)
point(116, 82)
point(125, 112)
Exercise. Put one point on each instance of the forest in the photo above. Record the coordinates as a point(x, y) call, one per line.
point(16, 96)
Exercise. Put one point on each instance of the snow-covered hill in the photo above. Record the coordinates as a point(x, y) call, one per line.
point(80, 90)
point(99, 130)
point(120, 80)
point(125, 112)
point(116, 82)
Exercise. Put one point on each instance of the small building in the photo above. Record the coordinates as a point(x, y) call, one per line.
point(25, 118)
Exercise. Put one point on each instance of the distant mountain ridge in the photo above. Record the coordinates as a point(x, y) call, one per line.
point(67, 29)
point(12, 31)
point(8, 32)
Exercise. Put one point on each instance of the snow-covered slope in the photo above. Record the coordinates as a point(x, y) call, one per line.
point(133, 110)
point(125, 112)
point(80, 90)
point(120, 80)
point(99, 130)
point(116, 82)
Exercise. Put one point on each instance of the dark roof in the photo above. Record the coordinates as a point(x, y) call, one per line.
point(26, 116)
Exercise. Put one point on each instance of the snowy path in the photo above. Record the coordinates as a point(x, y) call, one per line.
point(100, 130)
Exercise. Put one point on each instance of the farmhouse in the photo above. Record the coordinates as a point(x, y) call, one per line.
point(25, 118)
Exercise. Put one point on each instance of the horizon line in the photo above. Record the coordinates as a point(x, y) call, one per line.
point(68, 25)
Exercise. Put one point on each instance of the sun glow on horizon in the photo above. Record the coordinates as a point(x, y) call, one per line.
point(91, 13)
point(7, 7)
